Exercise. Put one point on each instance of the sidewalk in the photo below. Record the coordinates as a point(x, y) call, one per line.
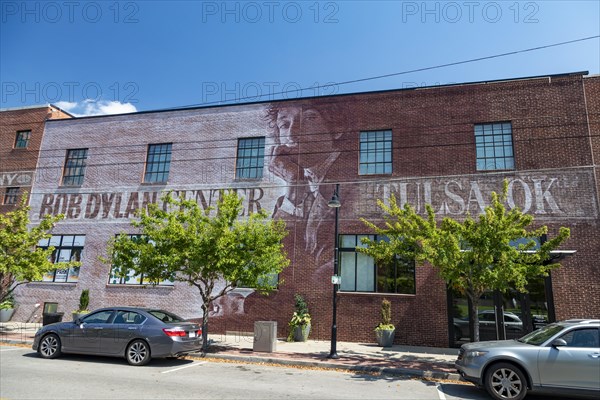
point(424, 362)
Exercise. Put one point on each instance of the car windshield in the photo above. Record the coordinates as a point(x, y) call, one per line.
point(166, 316)
point(538, 337)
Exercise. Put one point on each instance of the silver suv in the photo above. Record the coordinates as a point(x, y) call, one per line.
point(561, 358)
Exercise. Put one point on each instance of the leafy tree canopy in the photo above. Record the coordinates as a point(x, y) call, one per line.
point(472, 256)
point(213, 250)
point(21, 261)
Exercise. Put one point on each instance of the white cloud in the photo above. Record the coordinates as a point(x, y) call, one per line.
point(101, 107)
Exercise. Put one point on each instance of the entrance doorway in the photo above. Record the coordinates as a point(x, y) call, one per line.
point(508, 315)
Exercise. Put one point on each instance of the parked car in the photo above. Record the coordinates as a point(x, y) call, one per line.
point(539, 321)
point(561, 358)
point(487, 325)
point(138, 334)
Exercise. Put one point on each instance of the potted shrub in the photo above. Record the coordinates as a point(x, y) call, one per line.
point(385, 330)
point(7, 308)
point(84, 302)
point(300, 322)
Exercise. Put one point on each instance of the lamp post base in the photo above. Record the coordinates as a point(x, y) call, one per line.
point(333, 356)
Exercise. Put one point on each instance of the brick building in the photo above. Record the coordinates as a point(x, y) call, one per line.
point(21, 131)
point(449, 146)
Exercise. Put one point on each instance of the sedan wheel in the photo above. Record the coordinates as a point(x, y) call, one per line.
point(138, 353)
point(50, 346)
point(505, 381)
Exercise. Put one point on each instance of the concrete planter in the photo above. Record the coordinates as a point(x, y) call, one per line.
point(301, 333)
point(6, 314)
point(385, 338)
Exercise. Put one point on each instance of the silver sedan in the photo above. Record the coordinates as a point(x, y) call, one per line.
point(137, 334)
point(560, 358)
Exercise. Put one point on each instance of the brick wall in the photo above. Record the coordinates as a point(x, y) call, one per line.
point(17, 164)
point(434, 153)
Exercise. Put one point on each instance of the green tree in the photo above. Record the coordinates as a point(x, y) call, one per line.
point(212, 251)
point(473, 256)
point(21, 261)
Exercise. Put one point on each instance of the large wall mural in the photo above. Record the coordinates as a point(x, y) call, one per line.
point(310, 145)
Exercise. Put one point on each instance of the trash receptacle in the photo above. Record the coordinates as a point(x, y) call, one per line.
point(50, 318)
point(50, 314)
point(265, 336)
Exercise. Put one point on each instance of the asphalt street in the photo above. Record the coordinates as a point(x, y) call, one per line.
point(23, 375)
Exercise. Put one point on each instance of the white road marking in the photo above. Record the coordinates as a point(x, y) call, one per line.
point(186, 366)
point(441, 394)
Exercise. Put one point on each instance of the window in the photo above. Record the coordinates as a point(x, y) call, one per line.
point(588, 337)
point(74, 167)
point(250, 158)
point(166, 316)
point(132, 278)
point(494, 146)
point(158, 163)
point(100, 317)
point(129, 317)
point(375, 152)
point(22, 140)
point(360, 273)
point(66, 248)
point(10, 196)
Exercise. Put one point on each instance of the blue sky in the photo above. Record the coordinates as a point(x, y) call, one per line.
point(108, 56)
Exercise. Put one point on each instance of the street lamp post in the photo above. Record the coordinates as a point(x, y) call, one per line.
point(335, 203)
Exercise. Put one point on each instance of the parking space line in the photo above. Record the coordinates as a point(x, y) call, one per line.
point(185, 366)
point(2, 349)
point(441, 394)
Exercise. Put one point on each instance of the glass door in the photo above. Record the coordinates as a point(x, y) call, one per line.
point(508, 315)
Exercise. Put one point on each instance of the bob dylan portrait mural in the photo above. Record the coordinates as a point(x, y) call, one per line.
point(304, 151)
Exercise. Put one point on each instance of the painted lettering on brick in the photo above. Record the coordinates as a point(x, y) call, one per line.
point(544, 196)
point(16, 178)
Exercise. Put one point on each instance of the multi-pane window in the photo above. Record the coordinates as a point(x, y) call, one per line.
point(10, 196)
point(360, 273)
point(74, 170)
point(66, 248)
point(132, 278)
point(158, 163)
point(250, 158)
point(494, 146)
point(375, 152)
point(22, 140)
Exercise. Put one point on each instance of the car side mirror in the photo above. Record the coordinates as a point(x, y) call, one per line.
point(558, 343)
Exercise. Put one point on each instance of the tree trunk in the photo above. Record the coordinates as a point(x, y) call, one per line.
point(7, 286)
point(475, 316)
point(205, 308)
